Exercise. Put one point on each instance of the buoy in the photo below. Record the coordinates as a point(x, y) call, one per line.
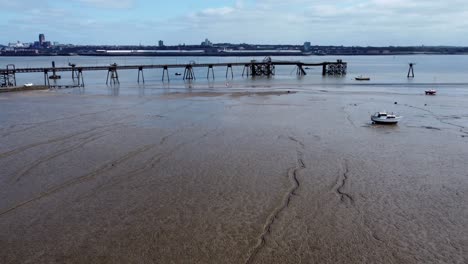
point(396, 102)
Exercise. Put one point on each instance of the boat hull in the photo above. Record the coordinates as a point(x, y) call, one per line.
point(385, 120)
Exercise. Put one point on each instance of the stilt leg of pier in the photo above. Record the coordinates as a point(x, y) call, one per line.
point(114, 76)
point(9, 77)
point(140, 70)
point(74, 71)
point(300, 70)
point(229, 67)
point(165, 72)
point(410, 71)
point(46, 78)
point(253, 72)
point(80, 78)
point(188, 73)
point(210, 67)
point(270, 69)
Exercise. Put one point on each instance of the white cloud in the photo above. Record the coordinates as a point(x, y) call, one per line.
point(222, 11)
point(345, 22)
point(109, 3)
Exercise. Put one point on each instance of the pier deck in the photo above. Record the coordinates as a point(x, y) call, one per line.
point(252, 68)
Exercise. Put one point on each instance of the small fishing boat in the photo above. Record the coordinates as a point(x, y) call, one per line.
point(385, 118)
point(362, 78)
point(178, 73)
point(28, 84)
point(431, 92)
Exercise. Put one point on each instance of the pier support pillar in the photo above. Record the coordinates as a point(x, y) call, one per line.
point(46, 78)
point(246, 70)
point(74, 72)
point(165, 73)
point(410, 71)
point(80, 77)
point(324, 69)
point(140, 71)
point(253, 71)
point(229, 67)
point(8, 78)
point(189, 74)
point(112, 73)
point(210, 67)
point(300, 71)
point(54, 75)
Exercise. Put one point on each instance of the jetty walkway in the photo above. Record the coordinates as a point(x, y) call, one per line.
point(253, 68)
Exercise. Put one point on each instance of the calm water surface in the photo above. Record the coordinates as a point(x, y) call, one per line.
point(388, 72)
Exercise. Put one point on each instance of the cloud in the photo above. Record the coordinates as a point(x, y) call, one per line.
point(222, 11)
point(119, 4)
point(345, 22)
point(370, 22)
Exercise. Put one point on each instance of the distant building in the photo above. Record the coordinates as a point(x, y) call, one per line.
point(41, 39)
point(206, 43)
point(161, 43)
point(17, 44)
point(307, 46)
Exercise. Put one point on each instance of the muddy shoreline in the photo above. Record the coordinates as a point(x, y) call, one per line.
point(232, 177)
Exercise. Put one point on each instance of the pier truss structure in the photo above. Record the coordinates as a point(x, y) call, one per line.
point(8, 76)
point(265, 67)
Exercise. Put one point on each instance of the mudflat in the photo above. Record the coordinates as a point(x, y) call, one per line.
point(247, 177)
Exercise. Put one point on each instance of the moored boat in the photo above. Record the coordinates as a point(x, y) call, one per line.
point(362, 78)
point(385, 118)
point(431, 92)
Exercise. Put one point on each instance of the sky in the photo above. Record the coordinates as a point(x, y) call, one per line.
point(322, 22)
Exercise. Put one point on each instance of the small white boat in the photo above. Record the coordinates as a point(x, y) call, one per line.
point(431, 92)
point(385, 118)
point(28, 84)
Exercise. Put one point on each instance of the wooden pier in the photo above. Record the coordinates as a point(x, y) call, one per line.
point(253, 68)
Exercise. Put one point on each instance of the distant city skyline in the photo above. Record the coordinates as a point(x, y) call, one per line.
point(131, 22)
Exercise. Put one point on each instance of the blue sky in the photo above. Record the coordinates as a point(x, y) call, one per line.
point(323, 22)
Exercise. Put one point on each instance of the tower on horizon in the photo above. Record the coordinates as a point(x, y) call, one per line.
point(41, 39)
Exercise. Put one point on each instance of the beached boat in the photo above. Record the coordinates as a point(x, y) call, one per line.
point(431, 92)
point(362, 78)
point(28, 84)
point(385, 118)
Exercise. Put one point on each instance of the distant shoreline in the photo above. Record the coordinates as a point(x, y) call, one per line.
point(256, 54)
